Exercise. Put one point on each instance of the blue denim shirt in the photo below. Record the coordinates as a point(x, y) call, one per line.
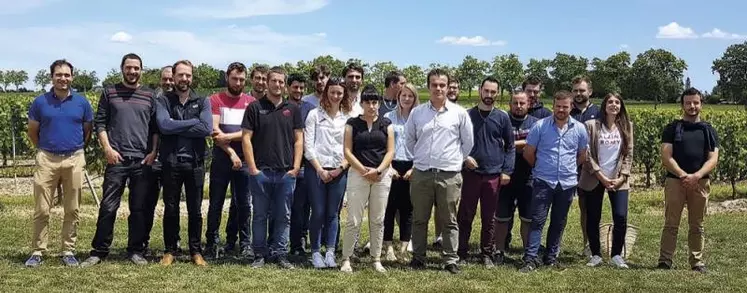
point(400, 144)
point(557, 151)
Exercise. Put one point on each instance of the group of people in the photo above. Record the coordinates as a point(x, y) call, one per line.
point(293, 161)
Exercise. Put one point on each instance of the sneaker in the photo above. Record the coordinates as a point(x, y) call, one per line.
point(409, 246)
point(34, 261)
point(529, 266)
point(213, 252)
point(329, 260)
point(487, 262)
point(594, 261)
point(700, 269)
point(618, 262)
point(283, 262)
point(664, 266)
point(378, 267)
point(452, 268)
point(70, 261)
point(346, 268)
point(499, 258)
point(90, 261)
point(437, 242)
point(258, 262)
point(138, 259)
point(390, 256)
point(247, 253)
point(367, 247)
point(317, 260)
point(229, 248)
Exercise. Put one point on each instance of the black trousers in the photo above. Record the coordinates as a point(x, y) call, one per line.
point(190, 175)
point(399, 200)
point(130, 172)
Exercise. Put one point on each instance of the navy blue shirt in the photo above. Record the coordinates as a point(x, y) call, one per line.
point(591, 112)
point(61, 121)
point(539, 111)
point(305, 108)
point(494, 148)
point(522, 170)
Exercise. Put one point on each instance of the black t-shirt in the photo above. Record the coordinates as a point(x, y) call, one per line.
point(273, 136)
point(369, 147)
point(691, 151)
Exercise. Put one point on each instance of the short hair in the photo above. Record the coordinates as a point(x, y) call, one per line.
point(453, 79)
point(582, 78)
point(562, 95)
point(236, 66)
point(690, 92)
point(276, 70)
point(352, 66)
point(438, 72)
point(297, 77)
point(369, 93)
point(259, 69)
point(60, 62)
point(491, 79)
point(392, 77)
point(182, 62)
point(518, 94)
point(319, 69)
point(531, 80)
point(131, 56)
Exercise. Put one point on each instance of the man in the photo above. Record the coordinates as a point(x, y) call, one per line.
point(453, 93)
point(393, 83)
point(353, 74)
point(532, 86)
point(518, 193)
point(259, 78)
point(273, 146)
point(689, 152)
point(301, 209)
point(583, 110)
point(439, 135)
point(166, 81)
point(125, 124)
point(487, 168)
point(227, 165)
point(555, 147)
point(59, 126)
point(185, 121)
point(319, 76)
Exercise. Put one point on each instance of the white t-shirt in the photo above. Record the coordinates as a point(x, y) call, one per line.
point(608, 149)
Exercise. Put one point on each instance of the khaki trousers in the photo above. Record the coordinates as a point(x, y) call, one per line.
point(51, 169)
point(444, 190)
point(361, 192)
point(675, 199)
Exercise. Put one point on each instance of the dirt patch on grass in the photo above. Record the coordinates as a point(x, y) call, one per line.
point(729, 206)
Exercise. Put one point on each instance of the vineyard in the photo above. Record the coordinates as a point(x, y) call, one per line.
point(729, 121)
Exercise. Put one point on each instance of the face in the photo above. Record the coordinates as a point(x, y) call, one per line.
point(453, 93)
point(183, 77)
point(335, 93)
point(131, 71)
point(400, 83)
point(613, 106)
point(533, 92)
point(561, 109)
point(320, 82)
point(370, 108)
point(437, 86)
point(296, 89)
point(275, 84)
point(519, 105)
point(353, 80)
point(62, 77)
point(406, 98)
point(488, 92)
point(259, 82)
point(167, 80)
point(691, 105)
point(236, 82)
point(581, 92)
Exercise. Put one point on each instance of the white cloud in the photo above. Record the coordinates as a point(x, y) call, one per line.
point(321, 35)
point(247, 8)
point(719, 34)
point(624, 46)
point(476, 41)
point(121, 37)
point(9, 7)
point(674, 31)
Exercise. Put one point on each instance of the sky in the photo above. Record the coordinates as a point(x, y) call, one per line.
point(94, 35)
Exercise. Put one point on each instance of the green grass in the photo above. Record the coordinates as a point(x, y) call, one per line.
point(724, 253)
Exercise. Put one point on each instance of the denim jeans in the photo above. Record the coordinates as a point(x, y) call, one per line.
point(619, 204)
point(221, 174)
point(272, 197)
point(325, 201)
point(545, 196)
point(190, 175)
point(300, 213)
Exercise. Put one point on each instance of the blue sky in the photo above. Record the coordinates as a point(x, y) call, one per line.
point(94, 35)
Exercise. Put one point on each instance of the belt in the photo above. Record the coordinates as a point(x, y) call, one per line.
point(435, 170)
point(64, 154)
point(185, 159)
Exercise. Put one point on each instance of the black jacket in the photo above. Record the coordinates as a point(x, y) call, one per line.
point(184, 124)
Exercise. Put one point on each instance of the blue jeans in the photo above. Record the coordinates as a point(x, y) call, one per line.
point(300, 213)
point(221, 174)
point(619, 204)
point(543, 197)
point(272, 196)
point(325, 202)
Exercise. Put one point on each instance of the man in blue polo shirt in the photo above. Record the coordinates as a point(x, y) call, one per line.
point(555, 147)
point(60, 124)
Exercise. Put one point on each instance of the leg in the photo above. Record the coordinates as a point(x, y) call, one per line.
point(674, 202)
point(377, 202)
point(448, 190)
point(541, 200)
point(172, 185)
point(115, 177)
point(582, 217)
point(282, 200)
point(358, 190)
point(242, 197)
point(139, 204)
point(524, 205)
point(422, 196)
point(594, 199)
point(153, 179)
point(72, 184)
point(46, 176)
point(405, 210)
point(232, 225)
point(503, 215)
point(335, 192)
point(193, 188)
point(298, 214)
point(391, 210)
point(467, 209)
point(619, 204)
point(261, 205)
point(488, 205)
point(317, 197)
point(697, 203)
point(220, 172)
point(561, 203)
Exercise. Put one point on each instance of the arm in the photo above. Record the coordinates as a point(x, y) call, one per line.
point(668, 161)
point(33, 132)
point(627, 163)
point(348, 151)
point(519, 144)
point(411, 136)
point(533, 139)
point(246, 145)
point(167, 125)
point(297, 152)
point(309, 136)
point(466, 135)
point(590, 162)
point(709, 165)
point(509, 158)
point(583, 147)
point(218, 133)
point(204, 126)
point(387, 161)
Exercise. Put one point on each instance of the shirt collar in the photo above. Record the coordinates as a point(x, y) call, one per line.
point(447, 105)
point(54, 96)
point(265, 99)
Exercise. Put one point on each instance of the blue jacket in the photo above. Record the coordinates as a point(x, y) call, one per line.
point(494, 148)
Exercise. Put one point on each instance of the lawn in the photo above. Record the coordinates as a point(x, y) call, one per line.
point(725, 246)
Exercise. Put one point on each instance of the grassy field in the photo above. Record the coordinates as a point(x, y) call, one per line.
point(725, 246)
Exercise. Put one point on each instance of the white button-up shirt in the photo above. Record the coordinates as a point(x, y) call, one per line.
point(323, 137)
point(439, 139)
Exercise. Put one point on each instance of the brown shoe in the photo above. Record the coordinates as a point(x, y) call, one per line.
point(167, 259)
point(198, 260)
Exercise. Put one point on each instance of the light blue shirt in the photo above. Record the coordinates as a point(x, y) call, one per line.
point(557, 151)
point(400, 144)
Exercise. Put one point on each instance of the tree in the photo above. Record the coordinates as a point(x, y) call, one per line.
point(42, 78)
point(539, 69)
point(289, 68)
point(732, 71)
point(113, 77)
point(415, 75)
point(564, 68)
point(335, 65)
point(84, 80)
point(609, 75)
point(19, 77)
point(508, 70)
point(151, 77)
point(656, 74)
point(205, 76)
point(471, 72)
point(2, 80)
point(379, 71)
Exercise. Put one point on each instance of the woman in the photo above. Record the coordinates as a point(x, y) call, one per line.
point(326, 171)
point(607, 168)
point(399, 195)
point(369, 148)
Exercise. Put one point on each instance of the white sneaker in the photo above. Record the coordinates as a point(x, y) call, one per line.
point(409, 246)
point(390, 254)
point(618, 262)
point(346, 267)
point(367, 247)
point(594, 261)
point(378, 267)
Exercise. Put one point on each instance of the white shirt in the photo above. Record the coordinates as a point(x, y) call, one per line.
point(323, 137)
point(356, 109)
point(312, 98)
point(608, 150)
point(439, 139)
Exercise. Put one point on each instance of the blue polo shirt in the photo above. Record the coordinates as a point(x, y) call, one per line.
point(61, 121)
point(557, 151)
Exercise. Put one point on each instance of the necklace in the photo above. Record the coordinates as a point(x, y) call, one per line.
point(390, 104)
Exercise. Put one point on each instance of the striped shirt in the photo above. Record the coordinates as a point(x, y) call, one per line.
point(128, 117)
point(231, 112)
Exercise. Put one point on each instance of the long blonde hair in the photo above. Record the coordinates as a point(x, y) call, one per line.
point(414, 91)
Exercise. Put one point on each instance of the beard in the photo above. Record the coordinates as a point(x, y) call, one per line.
point(183, 86)
point(131, 79)
point(580, 99)
point(488, 101)
point(235, 91)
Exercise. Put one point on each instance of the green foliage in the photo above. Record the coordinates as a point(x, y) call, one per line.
point(732, 71)
point(379, 72)
point(415, 75)
point(508, 70)
point(471, 72)
point(42, 78)
point(656, 75)
point(609, 74)
point(205, 77)
point(84, 80)
point(539, 69)
point(564, 68)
